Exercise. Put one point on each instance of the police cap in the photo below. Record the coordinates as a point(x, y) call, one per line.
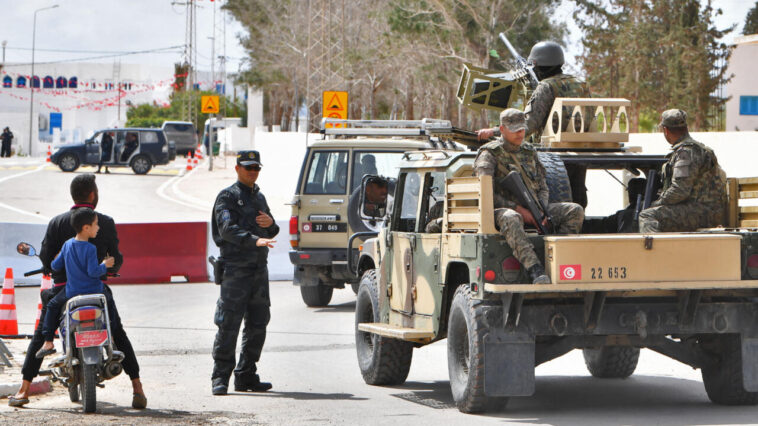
point(248, 158)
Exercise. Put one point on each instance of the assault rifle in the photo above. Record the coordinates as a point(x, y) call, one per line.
point(524, 72)
point(514, 183)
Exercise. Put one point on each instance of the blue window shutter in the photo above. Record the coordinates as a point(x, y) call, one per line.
point(748, 105)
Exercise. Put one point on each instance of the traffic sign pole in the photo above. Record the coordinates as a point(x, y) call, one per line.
point(210, 142)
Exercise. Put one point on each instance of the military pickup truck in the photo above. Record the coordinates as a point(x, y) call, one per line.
point(325, 204)
point(690, 296)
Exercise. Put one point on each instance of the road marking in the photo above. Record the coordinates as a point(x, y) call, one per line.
point(15, 209)
point(161, 191)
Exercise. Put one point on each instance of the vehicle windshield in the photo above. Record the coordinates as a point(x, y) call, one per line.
point(374, 163)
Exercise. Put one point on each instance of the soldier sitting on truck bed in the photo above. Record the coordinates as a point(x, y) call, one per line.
point(694, 185)
point(511, 153)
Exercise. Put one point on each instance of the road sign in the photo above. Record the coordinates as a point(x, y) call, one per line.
point(335, 106)
point(209, 105)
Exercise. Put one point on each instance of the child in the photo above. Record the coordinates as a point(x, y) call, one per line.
point(79, 257)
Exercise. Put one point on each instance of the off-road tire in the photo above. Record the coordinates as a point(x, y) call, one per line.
point(558, 183)
point(611, 362)
point(87, 381)
point(465, 354)
point(316, 296)
point(73, 390)
point(382, 360)
point(68, 162)
point(723, 380)
point(141, 164)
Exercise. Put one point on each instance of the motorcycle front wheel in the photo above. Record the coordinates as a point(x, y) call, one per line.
point(87, 381)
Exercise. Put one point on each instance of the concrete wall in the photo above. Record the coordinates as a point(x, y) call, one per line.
point(742, 64)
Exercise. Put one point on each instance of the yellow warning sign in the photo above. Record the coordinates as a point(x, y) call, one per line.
point(335, 106)
point(209, 105)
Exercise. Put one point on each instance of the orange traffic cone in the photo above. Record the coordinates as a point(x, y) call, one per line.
point(8, 322)
point(199, 152)
point(49, 153)
point(195, 162)
point(47, 283)
point(189, 163)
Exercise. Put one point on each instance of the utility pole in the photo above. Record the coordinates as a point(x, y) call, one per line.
point(213, 85)
point(5, 43)
point(31, 77)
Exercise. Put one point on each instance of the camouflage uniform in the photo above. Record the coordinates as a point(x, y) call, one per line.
point(541, 102)
point(493, 160)
point(244, 287)
point(693, 194)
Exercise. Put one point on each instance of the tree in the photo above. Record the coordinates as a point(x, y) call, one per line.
point(402, 57)
point(149, 115)
point(751, 21)
point(660, 55)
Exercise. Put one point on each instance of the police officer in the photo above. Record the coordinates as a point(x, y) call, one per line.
point(511, 153)
point(694, 185)
point(243, 228)
point(547, 59)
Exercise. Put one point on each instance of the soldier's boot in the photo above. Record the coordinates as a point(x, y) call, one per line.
point(251, 385)
point(537, 274)
point(219, 387)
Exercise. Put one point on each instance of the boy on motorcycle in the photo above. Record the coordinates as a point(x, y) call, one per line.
point(79, 257)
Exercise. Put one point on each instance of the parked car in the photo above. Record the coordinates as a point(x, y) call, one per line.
point(183, 134)
point(140, 149)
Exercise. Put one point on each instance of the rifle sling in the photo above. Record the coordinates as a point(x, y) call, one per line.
point(523, 175)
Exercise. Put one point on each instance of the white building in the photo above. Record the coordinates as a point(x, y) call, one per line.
point(742, 108)
point(72, 100)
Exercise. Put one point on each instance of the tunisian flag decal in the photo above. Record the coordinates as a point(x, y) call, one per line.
point(571, 272)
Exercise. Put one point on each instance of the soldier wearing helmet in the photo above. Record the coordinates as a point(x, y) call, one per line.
point(547, 59)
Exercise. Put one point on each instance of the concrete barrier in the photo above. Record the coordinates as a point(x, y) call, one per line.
point(154, 252)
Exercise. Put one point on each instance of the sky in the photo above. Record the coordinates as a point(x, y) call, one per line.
point(103, 27)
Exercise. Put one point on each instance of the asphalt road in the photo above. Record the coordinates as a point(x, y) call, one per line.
point(309, 354)
point(310, 358)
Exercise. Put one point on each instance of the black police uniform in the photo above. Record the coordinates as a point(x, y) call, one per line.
point(244, 286)
point(58, 231)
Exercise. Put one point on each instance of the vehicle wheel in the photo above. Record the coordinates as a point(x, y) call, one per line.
point(141, 164)
point(611, 362)
point(558, 183)
point(382, 360)
point(465, 354)
point(316, 296)
point(73, 389)
point(723, 379)
point(355, 286)
point(87, 381)
point(68, 162)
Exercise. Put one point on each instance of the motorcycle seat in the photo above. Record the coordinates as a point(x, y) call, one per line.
point(86, 300)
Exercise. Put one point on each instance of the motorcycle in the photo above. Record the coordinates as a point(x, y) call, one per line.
point(88, 355)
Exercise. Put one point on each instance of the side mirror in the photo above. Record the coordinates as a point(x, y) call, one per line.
point(26, 249)
point(374, 197)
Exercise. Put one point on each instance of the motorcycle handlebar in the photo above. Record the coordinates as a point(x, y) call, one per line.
point(34, 272)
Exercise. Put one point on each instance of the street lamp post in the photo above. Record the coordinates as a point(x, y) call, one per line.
point(31, 77)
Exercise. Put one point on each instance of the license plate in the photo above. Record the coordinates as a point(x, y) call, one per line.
point(85, 339)
point(325, 227)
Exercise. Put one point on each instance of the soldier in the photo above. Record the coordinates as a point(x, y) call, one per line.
point(547, 59)
point(694, 185)
point(511, 153)
point(243, 228)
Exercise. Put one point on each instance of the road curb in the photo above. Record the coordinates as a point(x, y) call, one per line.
point(38, 387)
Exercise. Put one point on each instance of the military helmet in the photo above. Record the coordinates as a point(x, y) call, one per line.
point(546, 54)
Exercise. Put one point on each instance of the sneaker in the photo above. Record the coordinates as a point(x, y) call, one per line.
point(220, 389)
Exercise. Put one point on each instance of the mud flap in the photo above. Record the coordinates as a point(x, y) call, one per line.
point(508, 365)
point(750, 364)
point(92, 355)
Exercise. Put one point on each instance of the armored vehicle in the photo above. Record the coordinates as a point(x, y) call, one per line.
point(690, 296)
point(325, 205)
